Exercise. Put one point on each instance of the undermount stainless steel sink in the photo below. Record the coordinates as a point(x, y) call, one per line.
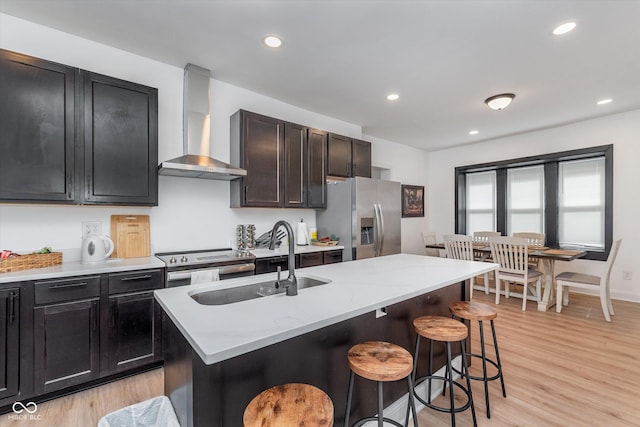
point(251, 291)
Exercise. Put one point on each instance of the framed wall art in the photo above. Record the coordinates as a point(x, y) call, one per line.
point(412, 201)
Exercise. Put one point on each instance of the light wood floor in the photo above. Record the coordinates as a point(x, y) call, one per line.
point(569, 369)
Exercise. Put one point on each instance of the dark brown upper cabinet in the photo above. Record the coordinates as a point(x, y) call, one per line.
point(120, 141)
point(71, 136)
point(285, 163)
point(38, 128)
point(316, 178)
point(361, 158)
point(339, 156)
point(257, 145)
point(348, 157)
point(295, 165)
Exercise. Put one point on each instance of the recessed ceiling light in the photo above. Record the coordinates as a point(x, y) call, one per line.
point(473, 132)
point(499, 102)
point(604, 101)
point(393, 96)
point(564, 28)
point(273, 41)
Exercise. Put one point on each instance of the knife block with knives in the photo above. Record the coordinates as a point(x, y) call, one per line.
point(131, 236)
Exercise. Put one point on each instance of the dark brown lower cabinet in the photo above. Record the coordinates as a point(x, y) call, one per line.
point(308, 259)
point(67, 345)
point(9, 342)
point(133, 337)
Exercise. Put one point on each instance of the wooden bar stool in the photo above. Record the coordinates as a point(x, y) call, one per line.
point(471, 310)
point(446, 330)
point(381, 362)
point(290, 405)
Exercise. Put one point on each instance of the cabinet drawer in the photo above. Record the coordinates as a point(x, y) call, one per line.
point(310, 260)
point(331, 257)
point(53, 291)
point(133, 281)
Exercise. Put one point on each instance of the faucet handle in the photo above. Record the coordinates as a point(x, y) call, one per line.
point(279, 270)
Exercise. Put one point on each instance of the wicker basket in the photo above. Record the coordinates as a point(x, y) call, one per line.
point(26, 262)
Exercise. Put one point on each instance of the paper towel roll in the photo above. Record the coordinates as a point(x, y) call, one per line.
point(302, 236)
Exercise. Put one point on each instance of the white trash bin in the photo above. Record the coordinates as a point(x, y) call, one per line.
point(155, 412)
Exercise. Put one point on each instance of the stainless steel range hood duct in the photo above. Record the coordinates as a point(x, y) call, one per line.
point(196, 161)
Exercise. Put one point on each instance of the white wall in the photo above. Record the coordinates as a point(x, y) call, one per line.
point(191, 213)
point(406, 165)
point(621, 130)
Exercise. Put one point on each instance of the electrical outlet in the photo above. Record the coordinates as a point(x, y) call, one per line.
point(627, 275)
point(91, 227)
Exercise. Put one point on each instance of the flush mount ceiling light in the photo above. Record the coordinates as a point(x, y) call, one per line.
point(393, 96)
point(604, 101)
point(499, 102)
point(474, 132)
point(273, 41)
point(564, 28)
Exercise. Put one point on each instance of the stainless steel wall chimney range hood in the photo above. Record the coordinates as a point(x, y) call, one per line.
point(196, 162)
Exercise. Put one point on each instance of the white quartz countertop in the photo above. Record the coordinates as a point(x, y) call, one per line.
point(284, 250)
point(75, 268)
point(220, 332)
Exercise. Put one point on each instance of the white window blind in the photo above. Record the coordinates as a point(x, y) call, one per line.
point(525, 199)
point(481, 201)
point(581, 202)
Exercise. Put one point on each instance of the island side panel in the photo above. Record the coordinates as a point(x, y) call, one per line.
point(216, 395)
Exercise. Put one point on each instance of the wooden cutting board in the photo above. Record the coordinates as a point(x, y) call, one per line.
point(130, 235)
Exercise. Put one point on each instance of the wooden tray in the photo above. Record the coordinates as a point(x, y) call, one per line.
point(29, 261)
point(330, 243)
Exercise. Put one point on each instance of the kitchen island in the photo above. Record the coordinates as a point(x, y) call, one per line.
point(217, 357)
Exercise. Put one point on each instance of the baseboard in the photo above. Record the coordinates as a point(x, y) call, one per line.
point(397, 411)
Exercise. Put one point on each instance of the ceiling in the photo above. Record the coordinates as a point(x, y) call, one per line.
point(341, 58)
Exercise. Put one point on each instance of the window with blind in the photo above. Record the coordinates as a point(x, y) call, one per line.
point(525, 199)
point(581, 203)
point(481, 201)
point(567, 195)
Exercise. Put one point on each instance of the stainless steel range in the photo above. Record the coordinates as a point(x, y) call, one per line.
point(229, 263)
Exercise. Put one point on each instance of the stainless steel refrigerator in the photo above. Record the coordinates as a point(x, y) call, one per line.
point(365, 214)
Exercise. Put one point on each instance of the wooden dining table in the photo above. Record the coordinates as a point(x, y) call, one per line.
point(547, 255)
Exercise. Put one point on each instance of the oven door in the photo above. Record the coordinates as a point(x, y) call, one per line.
point(183, 277)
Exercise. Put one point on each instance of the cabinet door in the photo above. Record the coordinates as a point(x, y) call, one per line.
point(339, 156)
point(317, 169)
point(332, 257)
point(361, 158)
point(262, 152)
point(120, 141)
point(9, 342)
point(134, 332)
point(295, 149)
point(37, 123)
point(66, 345)
point(310, 259)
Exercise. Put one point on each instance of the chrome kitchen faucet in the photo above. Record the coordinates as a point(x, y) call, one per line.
point(290, 283)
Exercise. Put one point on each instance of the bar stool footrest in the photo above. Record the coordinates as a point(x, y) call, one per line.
point(448, 410)
point(386, 420)
point(473, 377)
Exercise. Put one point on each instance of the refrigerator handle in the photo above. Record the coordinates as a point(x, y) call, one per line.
point(381, 216)
point(376, 230)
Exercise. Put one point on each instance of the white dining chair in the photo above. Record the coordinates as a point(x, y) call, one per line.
point(569, 279)
point(459, 246)
point(512, 254)
point(429, 238)
point(483, 237)
point(533, 239)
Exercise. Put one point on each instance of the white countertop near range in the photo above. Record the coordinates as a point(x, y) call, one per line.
point(220, 332)
point(284, 250)
point(75, 268)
